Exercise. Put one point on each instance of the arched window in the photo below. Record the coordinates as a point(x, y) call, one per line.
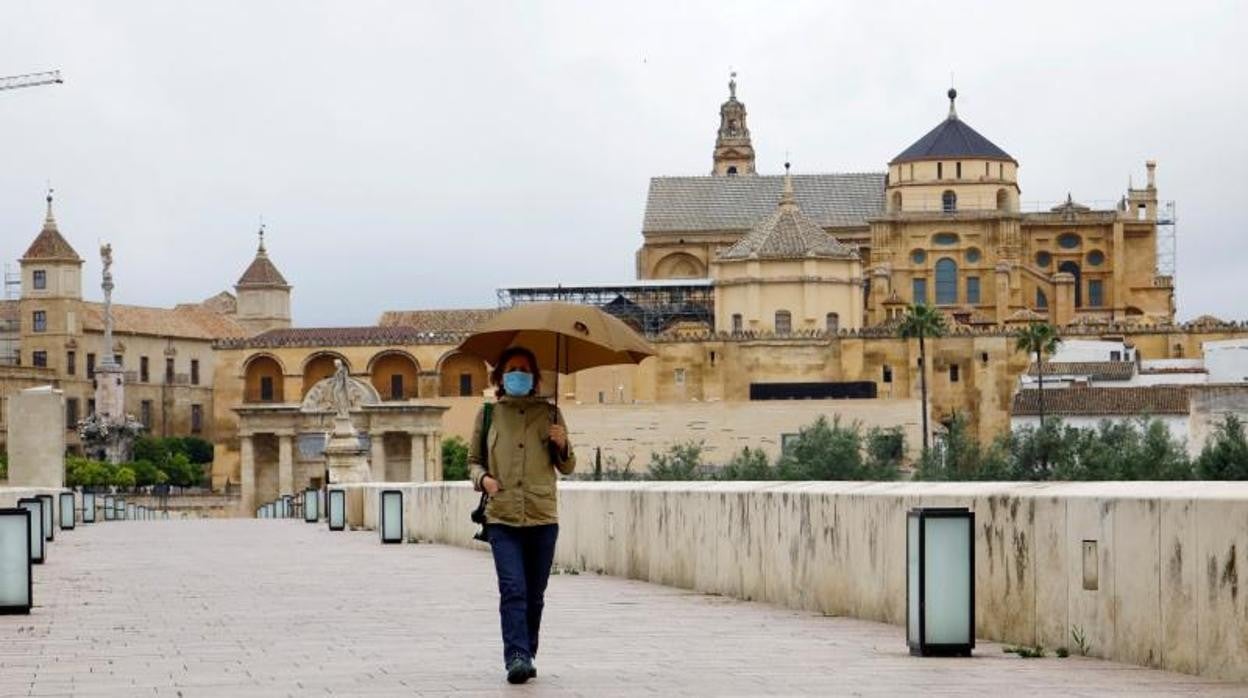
point(949, 202)
point(1042, 301)
point(784, 322)
point(737, 323)
point(1003, 200)
point(833, 322)
point(732, 169)
point(946, 282)
point(1072, 268)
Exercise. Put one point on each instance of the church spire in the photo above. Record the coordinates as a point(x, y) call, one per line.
point(788, 200)
point(734, 154)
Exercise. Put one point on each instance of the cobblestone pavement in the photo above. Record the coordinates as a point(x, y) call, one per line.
point(284, 608)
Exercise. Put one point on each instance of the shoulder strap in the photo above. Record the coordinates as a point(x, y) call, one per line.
point(488, 409)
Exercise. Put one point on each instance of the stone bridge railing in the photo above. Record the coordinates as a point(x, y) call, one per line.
point(1148, 571)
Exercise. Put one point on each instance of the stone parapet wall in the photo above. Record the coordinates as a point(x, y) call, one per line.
point(1164, 555)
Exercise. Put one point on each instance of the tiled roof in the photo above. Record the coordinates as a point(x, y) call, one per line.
point(49, 244)
point(952, 138)
point(693, 204)
point(787, 234)
point(1094, 402)
point(185, 323)
point(1096, 370)
point(343, 337)
point(224, 303)
point(454, 320)
point(262, 272)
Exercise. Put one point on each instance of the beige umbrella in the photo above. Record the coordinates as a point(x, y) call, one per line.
point(565, 337)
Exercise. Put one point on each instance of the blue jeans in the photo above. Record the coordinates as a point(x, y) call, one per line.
point(522, 558)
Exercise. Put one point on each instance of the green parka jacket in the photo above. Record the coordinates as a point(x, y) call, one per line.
point(521, 459)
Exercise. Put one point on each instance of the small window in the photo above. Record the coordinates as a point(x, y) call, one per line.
point(1043, 259)
point(117, 360)
point(1042, 301)
point(678, 376)
point(169, 370)
point(712, 359)
point(736, 323)
point(949, 202)
point(1068, 241)
point(983, 357)
point(919, 291)
point(1096, 293)
point(39, 321)
point(945, 239)
point(1001, 170)
point(833, 321)
point(71, 363)
point(90, 406)
point(732, 170)
point(940, 170)
point(194, 371)
point(39, 359)
point(973, 255)
point(784, 322)
point(1115, 356)
point(266, 388)
point(90, 366)
point(396, 386)
point(888, 374)
point(959, 170)
point(912, 172)
point(1096, 258)
point(986, 170)
point(465, 385)
point(71, 413)
point(197, 419)
point(145, 413)
point(953, 373)
point(40, 279)
point(1142, 212)
point(972, 289)
point(918, 256)
point(143, 371)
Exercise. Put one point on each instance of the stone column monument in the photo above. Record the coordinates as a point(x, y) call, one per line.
point(109, 433)
point(344, 457)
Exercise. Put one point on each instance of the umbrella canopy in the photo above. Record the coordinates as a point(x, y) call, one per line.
point(565, 336)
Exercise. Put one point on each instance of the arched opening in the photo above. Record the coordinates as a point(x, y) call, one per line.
point(1003, 200)
point(946, 282)
point(732, 170)
point(784, 322)
point(896, 201)
point(395, 375)
point(679, 265)
point(949, 202)
point(1072, 268)
point(833, 322)
point(262, 380)
point(461, 375)
point(318, 367)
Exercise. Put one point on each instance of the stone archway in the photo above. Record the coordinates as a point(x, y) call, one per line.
point(679, 265)
point(461, 375)
point(395, 375)
point(263, 379)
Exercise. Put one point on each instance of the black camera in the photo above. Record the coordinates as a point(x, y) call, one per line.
point(478, 517)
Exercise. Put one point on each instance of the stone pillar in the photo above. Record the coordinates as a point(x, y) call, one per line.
point(419, 472)
point(1002, 292)
point(434, 462)
point(1118, 292)
point(1063, 310)
point(247, 472)
point(377, 461)
point(285, 463)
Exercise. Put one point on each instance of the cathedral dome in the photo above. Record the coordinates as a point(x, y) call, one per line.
point(952, 139)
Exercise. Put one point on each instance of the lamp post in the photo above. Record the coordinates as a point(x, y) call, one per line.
point(940, 581)
point(16, 575)
point(311, 510)
point(337, 510)
point(88, 507)
point(49, 516)
point(67, 511)
point(38, 546)
point(390, 516)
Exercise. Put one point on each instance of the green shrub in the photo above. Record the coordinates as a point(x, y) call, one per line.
point(454, 459)
point(1225, 455)
point(749, 464)
point(682, 461)
point(823, 451)
point(124, 478)
point(886, 451)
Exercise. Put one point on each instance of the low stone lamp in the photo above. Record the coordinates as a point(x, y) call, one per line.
point(311, 511)
point(38, 546)
point(337, 510)
point(16, 575)
point(88, 507)
point(390, 516)
point(940, 581)
point(49, 516)
point(67, 511)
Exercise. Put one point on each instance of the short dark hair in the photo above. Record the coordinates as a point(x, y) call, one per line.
point(496, 375)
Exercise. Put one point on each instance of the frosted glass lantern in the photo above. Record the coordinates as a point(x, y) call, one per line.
point(16, 575)
point(130, 512)
point(940, 581)
point(119, 509)
point(49, 516)
point(390, 516)
point(337, 510)
point(311, 512)
point(109, 512)
point(288, 506)
point(67, 511)
point(38, 546)
point(88, 507)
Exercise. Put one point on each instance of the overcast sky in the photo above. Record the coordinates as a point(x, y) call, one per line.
point(419, 155)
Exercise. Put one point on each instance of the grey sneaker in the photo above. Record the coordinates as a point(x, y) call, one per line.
point(519, 670)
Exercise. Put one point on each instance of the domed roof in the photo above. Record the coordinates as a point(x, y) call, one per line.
point(787, 234)
point(49, 244)
point(262, 272)
point(952, 138)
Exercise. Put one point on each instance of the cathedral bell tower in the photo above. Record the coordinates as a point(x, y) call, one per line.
point(734, 155)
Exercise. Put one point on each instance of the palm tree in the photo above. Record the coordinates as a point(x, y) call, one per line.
point(921, 320)
point(1038, 338)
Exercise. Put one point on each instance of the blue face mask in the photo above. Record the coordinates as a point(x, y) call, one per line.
point(517, 383)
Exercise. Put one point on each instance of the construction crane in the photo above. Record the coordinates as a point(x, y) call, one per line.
point(52, 77)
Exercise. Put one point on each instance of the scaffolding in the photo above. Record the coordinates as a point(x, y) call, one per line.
point(12, 283)
point(1167, 239)
point(650, 307)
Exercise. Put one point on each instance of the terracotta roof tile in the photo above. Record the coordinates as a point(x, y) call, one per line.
point(787, 234)
point(262, 272)
point(49, 244)
point(1096, 370)
point(186, 323)
point(455, 320)
point(1106, 402)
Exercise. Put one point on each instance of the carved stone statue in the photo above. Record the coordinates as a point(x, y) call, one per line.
point(340, 389)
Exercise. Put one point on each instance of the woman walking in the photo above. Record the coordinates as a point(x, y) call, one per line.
point(525, 442)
